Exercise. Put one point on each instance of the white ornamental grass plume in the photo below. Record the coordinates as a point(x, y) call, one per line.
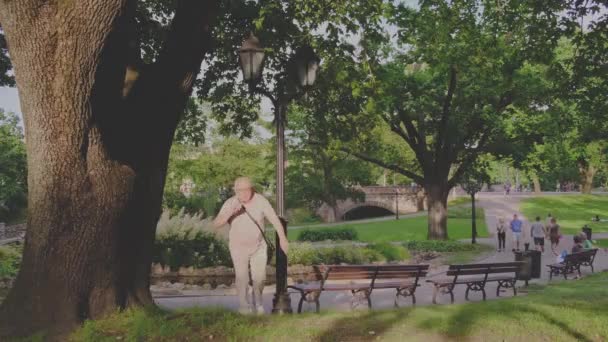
point(183, 225)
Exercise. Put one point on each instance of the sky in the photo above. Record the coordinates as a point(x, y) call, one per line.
point(9, 100)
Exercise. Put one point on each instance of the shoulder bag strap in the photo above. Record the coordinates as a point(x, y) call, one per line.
point(258, 225)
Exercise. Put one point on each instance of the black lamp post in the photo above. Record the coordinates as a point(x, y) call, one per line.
point(306, 64)
point(251, 58)
point(396, 203)
point(472, 186)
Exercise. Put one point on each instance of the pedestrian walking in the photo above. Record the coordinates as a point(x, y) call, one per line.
point(245, 213)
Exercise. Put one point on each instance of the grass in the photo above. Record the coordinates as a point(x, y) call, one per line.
point(465, 257)
point(460, 201)
point(411, 228)
point(564, 311)
point(572, 211)
point(602, 243)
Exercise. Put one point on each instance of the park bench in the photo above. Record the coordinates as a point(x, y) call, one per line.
point(361, 280)
point(475, 277)
point(572, 263)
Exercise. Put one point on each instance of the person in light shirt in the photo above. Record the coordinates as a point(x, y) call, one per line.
point(538, 234)
point(246, 242)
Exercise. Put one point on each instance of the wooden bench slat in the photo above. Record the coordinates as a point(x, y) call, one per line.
point(485, 271)
point(393, 284)
point(400, 275)
point(341, 276)
point(474, 266)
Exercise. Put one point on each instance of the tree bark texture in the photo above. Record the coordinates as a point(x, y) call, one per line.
point(587, 173)
point(99, 126)
point(536, 182)
point(437, 206)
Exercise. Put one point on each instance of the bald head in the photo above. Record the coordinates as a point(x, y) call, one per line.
point(242, 183)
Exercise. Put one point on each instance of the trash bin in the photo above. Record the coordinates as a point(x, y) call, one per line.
point(587, 230)
point(531, 267)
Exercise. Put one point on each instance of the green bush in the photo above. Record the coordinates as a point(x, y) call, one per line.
point(10, 260)
point(306, 254)
point(390, 252)
point(187, 240)
point(303, 254)
point(299, 216)
point(439, 246)
point(346, 233)
point(176, 201)
point(198, 249)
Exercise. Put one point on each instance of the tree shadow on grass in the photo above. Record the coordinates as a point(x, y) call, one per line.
point(464, 321)
point(469, 317)
point(366, 326)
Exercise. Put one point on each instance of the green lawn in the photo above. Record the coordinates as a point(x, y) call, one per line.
point(563, 311)
point(412, 228)
point(571, 211)
point(602, 243)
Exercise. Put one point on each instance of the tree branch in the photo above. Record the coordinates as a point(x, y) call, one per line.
point(418, 140)
point(188, 41)
point(467, 160)
point(442, 146)
point(418, 179)
point(268, 94)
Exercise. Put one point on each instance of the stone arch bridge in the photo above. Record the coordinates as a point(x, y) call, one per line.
point(379, 201)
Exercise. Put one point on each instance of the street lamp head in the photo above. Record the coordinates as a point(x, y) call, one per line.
point(251, 58)
point(307, 66)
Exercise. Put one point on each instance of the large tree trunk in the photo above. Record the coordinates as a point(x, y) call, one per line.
point(98, 139)
point(330, 198)
point(333, 213)
point(587, 173)
point(536, 182)
point(437, 204)
point(420, 198)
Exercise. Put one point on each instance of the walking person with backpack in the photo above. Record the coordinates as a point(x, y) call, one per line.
point(245, 213)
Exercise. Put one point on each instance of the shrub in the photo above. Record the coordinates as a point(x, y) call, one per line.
point(306, 254)
point(328, 234)
point(10, 260)
point(390, 252)
point(371, 255)
point(174, 201)
point(439, 246)
point(302, 216)
point(185, 240)
point(303, 254)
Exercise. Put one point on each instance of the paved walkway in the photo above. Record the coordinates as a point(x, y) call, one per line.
point(501, 206)
point(495, 206)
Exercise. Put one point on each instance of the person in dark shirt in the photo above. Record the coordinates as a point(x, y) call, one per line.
point(578, 245)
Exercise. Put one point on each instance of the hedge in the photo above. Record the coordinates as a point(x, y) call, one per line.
point(328, 234)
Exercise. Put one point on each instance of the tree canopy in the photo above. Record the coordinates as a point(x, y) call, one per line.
point(13, 174)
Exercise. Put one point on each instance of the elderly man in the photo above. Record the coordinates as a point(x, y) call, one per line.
point(245, 212)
